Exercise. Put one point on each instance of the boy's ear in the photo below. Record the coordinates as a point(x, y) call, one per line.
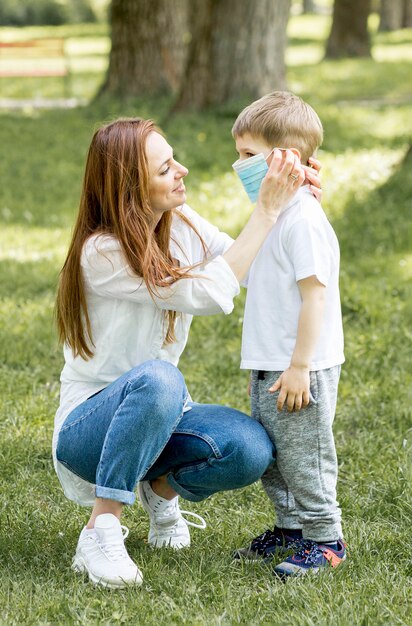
point(295, 151)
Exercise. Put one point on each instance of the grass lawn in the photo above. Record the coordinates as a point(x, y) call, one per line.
point(365, 106)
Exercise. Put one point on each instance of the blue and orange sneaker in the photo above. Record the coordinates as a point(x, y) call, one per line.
point(311, 557)
point(267, 545)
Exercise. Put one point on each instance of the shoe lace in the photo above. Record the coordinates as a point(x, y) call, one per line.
point(175, 513)
point(171, 514)
point(115, 550)
point(309, 550)
point(202, 521)
point(169, 510)
point(263, 541)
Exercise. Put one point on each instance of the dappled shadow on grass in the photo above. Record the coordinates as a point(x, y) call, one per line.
point(304, 41)
point(45, 163)
point(356, 127)
point(376, 246)
point(396, 37)
point(27, 331)
point(28, 341)
point(351, 79)
point(382, 224)
point(23, 281)
point(44, 167)
point(46, 155)
point(374, 409)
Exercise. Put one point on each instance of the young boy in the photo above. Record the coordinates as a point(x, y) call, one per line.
point(293, 343)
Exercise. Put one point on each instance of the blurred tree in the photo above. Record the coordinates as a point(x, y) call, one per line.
point(391, 15)
point(237, 50)
point(349, 36)
point(148, 47)
point(45, 12)
point(309, 6)
point(407, 14)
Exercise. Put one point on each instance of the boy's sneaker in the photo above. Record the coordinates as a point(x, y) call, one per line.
point(101, 553)
point(167, 526)
point(267, 545)
point(311, 557)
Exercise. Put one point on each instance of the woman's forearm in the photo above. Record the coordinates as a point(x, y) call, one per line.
point(242, 252)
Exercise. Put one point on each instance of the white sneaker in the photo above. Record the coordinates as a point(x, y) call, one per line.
point(102, 554)
point(167, 526)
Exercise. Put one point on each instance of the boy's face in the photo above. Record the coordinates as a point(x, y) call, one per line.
point(249, 145)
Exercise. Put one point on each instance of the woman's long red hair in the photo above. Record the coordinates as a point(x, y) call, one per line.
point(115, 200)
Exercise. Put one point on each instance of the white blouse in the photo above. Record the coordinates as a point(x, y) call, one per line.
point(128, 325)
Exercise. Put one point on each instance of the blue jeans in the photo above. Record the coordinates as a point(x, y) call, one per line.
point(135, 429)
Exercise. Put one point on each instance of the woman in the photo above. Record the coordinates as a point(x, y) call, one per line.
point(140, 264)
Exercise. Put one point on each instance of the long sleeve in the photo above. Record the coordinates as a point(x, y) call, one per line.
point(107, 274)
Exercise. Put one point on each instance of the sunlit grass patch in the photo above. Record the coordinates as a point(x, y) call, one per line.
point(303, 29)
point(22, 245)
point(405, 265)
point(392, 54)
point(363, 79)
point(352, 175)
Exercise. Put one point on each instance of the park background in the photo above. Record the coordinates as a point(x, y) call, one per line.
point(365, 106)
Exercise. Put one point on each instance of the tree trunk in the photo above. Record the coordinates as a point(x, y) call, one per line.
point(349, 36)
point(407, 14)
point(391, 15)
point(148, 47)
point(309, 6)
point(237, 51)
point(198, 76)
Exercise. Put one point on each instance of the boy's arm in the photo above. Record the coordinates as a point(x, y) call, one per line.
point(295, 381)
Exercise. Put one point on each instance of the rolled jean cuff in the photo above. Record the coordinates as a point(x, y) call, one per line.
point(181, 491)
point(120, 495)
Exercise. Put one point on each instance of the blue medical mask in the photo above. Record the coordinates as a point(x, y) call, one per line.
point(251, 173)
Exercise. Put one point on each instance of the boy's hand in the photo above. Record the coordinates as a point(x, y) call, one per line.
point(312, 177)
point(249, 388)
point(294, 386)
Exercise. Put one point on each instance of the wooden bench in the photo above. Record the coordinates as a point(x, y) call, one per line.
point(36, 58)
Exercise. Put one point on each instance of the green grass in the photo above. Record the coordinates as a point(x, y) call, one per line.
point(365, 106)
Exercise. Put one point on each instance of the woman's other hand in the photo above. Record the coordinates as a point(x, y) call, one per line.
point(312, 177)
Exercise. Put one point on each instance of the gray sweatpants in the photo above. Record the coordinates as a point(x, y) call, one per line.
point(302, 482)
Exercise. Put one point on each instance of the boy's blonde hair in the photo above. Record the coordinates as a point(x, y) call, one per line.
point(283, 120)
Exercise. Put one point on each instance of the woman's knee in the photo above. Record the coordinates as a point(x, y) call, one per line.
point(253, 453)
point(156, 375)
point(161, 382)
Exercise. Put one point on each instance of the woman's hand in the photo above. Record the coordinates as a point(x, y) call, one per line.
point(312, 177)
point(283, 179)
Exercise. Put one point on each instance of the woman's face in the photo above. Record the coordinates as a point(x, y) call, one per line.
point(166, 187)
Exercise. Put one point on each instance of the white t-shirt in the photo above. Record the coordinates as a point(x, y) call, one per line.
point(128, 324)
point(301, 244)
